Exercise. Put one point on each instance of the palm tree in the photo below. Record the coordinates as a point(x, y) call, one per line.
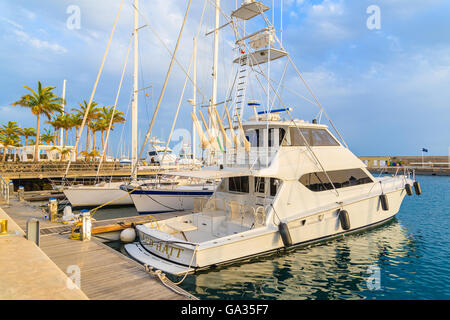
point(11, 128)
point(88, 156)
point(8, 141)
point(65, 122)
point(76, 120)
point(45, 102)
point(28, 132)
point(55, 122)
point(47, 136)
point(10, 136)
point(63, 151)
point(95, 127)
point(106, 114)
point(92, 115)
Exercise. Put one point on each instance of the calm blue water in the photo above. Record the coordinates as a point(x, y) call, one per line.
point(408, 258)
point(411, 255)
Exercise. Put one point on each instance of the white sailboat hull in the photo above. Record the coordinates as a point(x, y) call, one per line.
point(160, 200)
point(91, 196)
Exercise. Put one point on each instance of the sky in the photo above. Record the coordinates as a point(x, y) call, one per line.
point(386, 89)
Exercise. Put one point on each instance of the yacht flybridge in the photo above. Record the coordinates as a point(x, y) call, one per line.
point(283, 182)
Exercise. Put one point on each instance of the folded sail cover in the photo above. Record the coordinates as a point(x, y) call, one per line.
point(203, 141)
point(211, 139)
point(226, 140)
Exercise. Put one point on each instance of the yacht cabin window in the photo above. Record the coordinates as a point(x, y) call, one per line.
point(274, 183)
point(238, 184)
point(271, 136)
point(281, 136)
point(252, 136)
point(257, 137)
point(314, 137)
point(259, 184)
point(318, 181)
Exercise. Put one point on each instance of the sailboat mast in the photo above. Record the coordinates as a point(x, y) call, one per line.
point(61, 131)
point(134, 109)
point(194, 97)
point(215, 64)
point(216, 53)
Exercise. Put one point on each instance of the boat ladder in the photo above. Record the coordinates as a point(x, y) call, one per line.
point(241, 88)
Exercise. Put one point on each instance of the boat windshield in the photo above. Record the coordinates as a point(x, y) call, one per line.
point(314, 137)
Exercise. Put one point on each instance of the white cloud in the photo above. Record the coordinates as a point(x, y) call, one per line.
point(12, 23)
point(293, 14)
point(327, 8)
point(39, 44)
point(28, 14)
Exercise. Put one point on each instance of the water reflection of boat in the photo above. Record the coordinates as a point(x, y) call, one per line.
point(336, 269)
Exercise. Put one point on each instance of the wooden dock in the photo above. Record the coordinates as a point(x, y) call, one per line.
point(79, 169)
point(105, 273)
point(26, 272)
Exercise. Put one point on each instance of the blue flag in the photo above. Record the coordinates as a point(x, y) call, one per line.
point(424, 150)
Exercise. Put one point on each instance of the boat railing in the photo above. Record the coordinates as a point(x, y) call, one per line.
point(255, 158)
point(235, 211)
point(243, 213)
point(205, 205)
point(4, 190)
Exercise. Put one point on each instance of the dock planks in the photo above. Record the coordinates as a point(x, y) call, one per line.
point(26, 272)
point(106, 274)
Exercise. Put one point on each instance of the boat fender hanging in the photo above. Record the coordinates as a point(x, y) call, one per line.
point(417, 188)
point(408, 189)
point(344, 219)
point(384, 202)
point(285, 235)
point(128, 235)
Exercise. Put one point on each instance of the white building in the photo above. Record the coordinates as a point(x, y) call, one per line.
point(46, 153)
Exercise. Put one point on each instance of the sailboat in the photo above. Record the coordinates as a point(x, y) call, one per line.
point(110, 193)
point(149, 196)
point(287, 183)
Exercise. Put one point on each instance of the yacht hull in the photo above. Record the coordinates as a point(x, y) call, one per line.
point(363, 214)
point(96, 196)
point(154, 201)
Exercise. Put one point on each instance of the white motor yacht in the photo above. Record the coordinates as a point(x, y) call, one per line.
point(275, 198)
point(284, 183)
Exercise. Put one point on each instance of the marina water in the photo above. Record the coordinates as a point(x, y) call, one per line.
point(407, 258)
